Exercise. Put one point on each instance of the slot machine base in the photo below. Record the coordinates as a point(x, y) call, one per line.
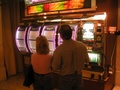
point(92, 74)
point(96, 84)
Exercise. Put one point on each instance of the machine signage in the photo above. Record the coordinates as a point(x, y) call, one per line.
point(59, 6)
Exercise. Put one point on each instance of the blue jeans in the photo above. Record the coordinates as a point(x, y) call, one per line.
point(71, 82)
point(43, 82)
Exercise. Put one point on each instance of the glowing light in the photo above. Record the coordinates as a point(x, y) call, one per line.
point(45, 17)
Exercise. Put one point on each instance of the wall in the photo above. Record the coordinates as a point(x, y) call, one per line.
point(117, 80)
point(10, 59)
point(2, 67)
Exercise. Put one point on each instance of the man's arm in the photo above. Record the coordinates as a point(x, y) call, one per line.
point(56, 61)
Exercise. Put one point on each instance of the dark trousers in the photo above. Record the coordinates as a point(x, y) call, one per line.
point(43, 82)
point(71, 82)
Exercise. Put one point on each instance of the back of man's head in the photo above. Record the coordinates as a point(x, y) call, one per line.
point(65, 31)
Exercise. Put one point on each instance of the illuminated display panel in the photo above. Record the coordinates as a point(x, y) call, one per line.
point(20, 43)
point(33, 32)
point(20, 34)
point(32, 46)
point(95, 58)
point(30, 2)
point(88, 31)
point(52, 47)
point(50, 32)
point(21, 39)
point(61, 5)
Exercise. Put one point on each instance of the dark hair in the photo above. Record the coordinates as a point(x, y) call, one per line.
point(42, 45)
point(65, 31)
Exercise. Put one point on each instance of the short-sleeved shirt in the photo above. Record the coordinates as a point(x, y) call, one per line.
point(70, 57)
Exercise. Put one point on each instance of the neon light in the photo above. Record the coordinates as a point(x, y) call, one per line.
point(63, 5)
point(35, 9)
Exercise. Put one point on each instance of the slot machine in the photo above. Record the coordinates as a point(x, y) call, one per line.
point(92, 35)
point(50, 31)
point(33, 32)
point(21, 38)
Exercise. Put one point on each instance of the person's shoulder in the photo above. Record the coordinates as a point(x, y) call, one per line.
point(35, 54)
point(80, 43)
point(59, 47)
point(32, 54)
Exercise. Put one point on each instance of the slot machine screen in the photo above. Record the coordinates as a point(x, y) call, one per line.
point(20, 43)
point(32, 45)
point(95, 58)
point(20, 34)
point(88, 31)
point(21, 39)
point(51, 46)
point(50, 32)
point(33, 34)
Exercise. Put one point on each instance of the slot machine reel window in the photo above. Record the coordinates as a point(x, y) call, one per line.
point(20, 35)
point(21, 39)
point(50, 32)
point(21, 45)
point(33, 32)
point(49, 35)
point(32, 45)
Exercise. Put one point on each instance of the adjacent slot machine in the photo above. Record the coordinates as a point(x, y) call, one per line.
point(33, 32)
point(50, 32)
point(92, 37)
point(21, 38)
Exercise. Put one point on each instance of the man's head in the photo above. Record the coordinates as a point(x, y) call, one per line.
point(65, 32)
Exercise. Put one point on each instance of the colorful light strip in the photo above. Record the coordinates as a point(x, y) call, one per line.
point(64, 5)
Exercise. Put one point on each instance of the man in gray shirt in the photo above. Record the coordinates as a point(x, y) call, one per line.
point(69, 59)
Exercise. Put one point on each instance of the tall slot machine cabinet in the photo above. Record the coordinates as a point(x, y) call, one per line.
point(21, 43)
point(26, 42)
point(93, 35)
point(26, 39)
